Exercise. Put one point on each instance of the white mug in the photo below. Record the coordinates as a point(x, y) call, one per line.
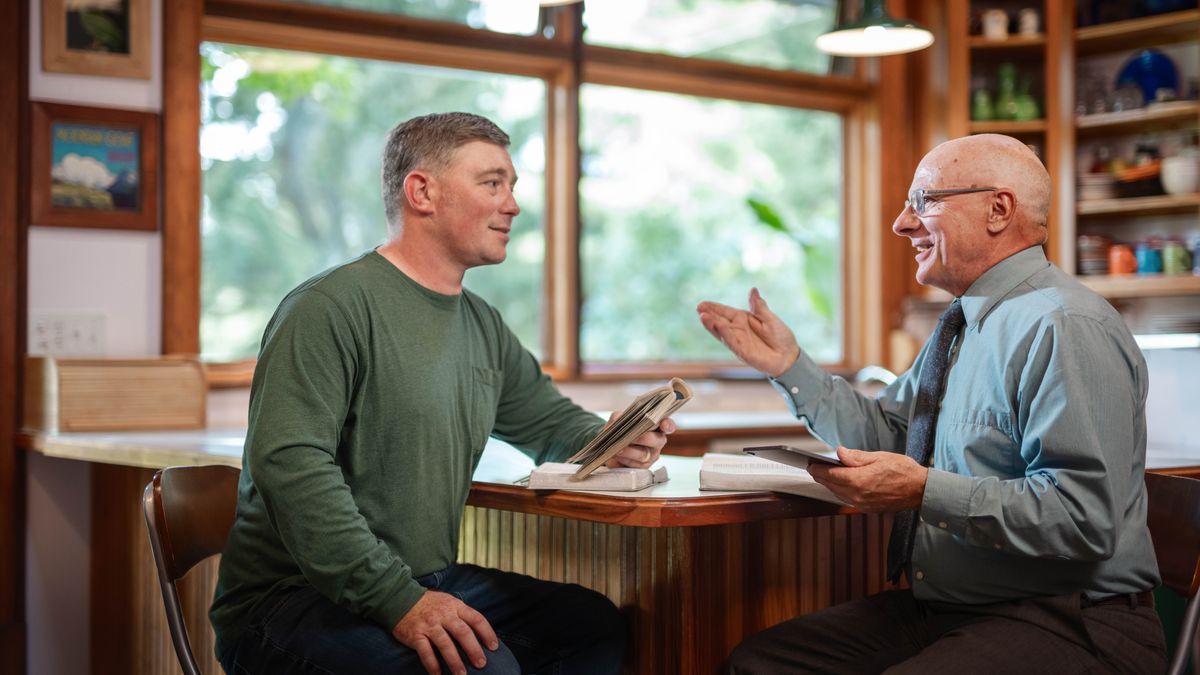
point(995, 24)
point(1027, 22)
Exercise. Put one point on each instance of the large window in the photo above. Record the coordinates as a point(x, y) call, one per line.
point(519, 17)
point(291, 145)
point(772, 33)
point(693, 180)
point(688, 199)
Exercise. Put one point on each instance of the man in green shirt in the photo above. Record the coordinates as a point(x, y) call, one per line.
point(376, 389)
point(1012, 452)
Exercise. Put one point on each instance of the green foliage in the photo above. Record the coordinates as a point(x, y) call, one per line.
point(293, 187)
point(105, 32)
point(666, 224)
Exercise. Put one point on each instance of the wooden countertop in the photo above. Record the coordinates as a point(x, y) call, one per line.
point(678, 502)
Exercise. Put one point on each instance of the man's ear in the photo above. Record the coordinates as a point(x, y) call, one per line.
point(419, 191)
point(1001, 211)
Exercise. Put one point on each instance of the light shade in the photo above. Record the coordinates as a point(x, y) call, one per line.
point(875, 33)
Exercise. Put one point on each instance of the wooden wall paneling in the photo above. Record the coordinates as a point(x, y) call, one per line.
point(14, 213)
point(1060, 130)
point(959, 54)
point(181, 173)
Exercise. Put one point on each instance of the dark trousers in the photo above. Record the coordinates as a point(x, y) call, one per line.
point(544, 627)
point(895, 633)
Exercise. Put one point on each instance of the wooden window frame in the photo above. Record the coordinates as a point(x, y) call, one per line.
point(563, 62)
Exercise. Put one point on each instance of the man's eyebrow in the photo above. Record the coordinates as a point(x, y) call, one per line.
point(500, 172)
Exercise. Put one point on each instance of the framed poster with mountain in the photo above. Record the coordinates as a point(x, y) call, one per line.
point(94, 167)
point(96, 37)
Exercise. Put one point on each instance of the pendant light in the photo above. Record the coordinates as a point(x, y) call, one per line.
point(875, 33)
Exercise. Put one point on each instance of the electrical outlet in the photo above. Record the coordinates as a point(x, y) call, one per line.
point(66, 335)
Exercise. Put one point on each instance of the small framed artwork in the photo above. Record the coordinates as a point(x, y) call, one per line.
point(94, 167)
point(96, 37)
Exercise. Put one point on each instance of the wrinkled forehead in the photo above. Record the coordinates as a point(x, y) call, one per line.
point(948, 165)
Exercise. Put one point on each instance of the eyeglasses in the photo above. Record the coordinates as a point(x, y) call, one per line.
point(919, 199)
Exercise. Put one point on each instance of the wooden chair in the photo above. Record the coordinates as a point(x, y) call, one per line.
point(1173, 515)
point(189, 511)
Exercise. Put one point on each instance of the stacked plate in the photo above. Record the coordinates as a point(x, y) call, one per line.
point(1093, 254)
point(1095, 186)
point(1175, 323)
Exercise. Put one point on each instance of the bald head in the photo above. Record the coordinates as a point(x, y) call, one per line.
point(999, 161)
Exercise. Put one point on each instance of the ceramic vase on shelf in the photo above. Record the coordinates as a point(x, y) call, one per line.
point(1181, 173)
point(1006, 92)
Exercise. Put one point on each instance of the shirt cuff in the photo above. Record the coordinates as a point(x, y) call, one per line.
point(395, 607)
point(946, 501)
point(801, 384)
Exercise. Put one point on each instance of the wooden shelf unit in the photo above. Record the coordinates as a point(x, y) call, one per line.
point(1139, 286)
point(1135, 34)
point(1057, 52)
point(1156, 117)
point(1010, 127)
point(1158, 204)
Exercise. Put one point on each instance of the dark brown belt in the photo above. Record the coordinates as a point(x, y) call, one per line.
point(1131, 600)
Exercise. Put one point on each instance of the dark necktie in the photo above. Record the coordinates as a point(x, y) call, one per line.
point(922, 429)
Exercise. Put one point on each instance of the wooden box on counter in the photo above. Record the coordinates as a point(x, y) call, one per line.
point(81, 394)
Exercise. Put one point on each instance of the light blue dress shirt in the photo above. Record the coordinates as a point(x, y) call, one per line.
point(1036, 486)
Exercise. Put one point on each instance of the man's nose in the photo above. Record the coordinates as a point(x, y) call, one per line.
point(510, 206)
point(906, 222)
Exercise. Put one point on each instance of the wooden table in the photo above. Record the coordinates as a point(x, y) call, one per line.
point(694, 572)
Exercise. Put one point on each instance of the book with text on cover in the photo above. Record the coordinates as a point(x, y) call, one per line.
point(642, 415)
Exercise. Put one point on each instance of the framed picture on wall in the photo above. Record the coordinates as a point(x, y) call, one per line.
point(94, 167)
point(96, 37)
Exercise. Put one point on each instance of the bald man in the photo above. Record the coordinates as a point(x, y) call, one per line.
point(1012, 453)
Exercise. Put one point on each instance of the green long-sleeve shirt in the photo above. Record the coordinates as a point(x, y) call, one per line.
point(371, 404)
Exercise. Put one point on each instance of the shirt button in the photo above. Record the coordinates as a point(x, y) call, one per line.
point(795, 390)
point(920, 575)
point(942, 524)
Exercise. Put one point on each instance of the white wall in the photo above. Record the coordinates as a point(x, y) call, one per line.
point(113, 274)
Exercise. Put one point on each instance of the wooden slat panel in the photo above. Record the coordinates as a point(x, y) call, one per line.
point(691, 594)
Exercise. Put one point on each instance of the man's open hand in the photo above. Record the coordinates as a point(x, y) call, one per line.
point(443, 622)
point(758, 337)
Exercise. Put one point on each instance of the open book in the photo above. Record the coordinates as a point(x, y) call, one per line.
point(641, 416)
point(719, 471)
point(644, 414)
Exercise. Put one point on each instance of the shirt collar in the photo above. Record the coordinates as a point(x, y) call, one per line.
point(993, 285)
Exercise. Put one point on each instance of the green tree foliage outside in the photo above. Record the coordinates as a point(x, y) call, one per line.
point(667, 221)
point(683, 198)
point(771, 33)
point(291, 147)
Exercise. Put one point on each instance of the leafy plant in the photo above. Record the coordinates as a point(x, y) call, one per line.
point(815, 277)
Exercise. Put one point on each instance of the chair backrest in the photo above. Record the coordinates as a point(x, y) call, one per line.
point(1173, 515)
point(189, 511)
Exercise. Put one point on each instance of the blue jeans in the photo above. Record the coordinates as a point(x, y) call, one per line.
point(544, 627)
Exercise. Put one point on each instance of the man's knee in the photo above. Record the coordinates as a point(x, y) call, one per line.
point(597, 612)
point(499, 662)
point(745, 658)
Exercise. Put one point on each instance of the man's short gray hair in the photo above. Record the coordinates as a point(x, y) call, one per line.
point(428, 142)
